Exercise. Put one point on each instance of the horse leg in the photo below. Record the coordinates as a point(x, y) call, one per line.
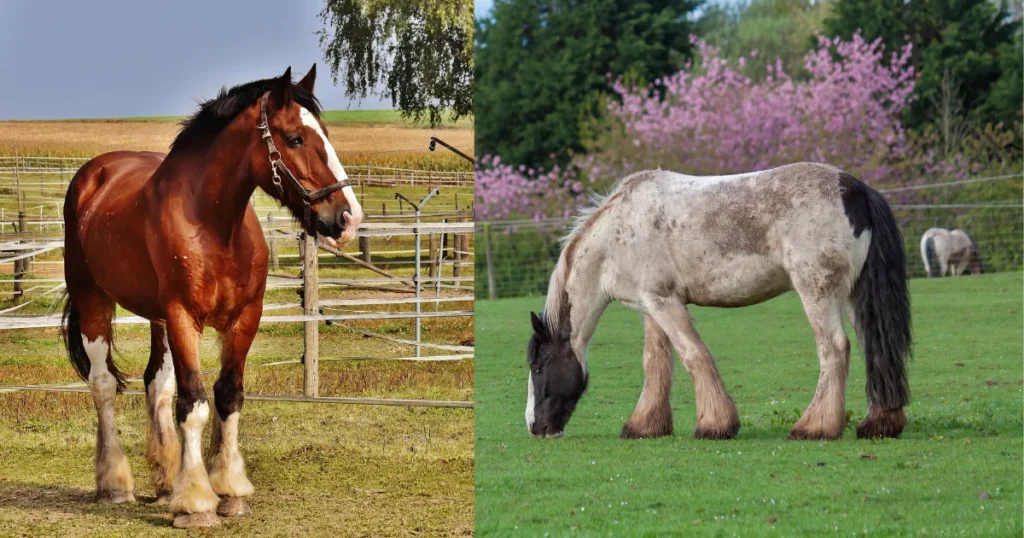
point(717, 417)
point(825, 417)
point(227, 470)
point(114, 481)
point(163, 449)
point(653, 414)
point(193, 501)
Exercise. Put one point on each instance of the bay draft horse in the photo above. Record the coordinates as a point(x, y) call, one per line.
point(949, 253)
point(174, 239)
point(661, 241)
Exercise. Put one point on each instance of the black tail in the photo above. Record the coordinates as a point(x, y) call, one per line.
point(71, 333)
point(883, 308)
point(933, 260)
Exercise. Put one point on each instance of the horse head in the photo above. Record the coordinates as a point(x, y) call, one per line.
point(556, 381)
point(305, 173)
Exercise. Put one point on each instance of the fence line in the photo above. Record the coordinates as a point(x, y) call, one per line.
point(518, 257)
point(35, 180)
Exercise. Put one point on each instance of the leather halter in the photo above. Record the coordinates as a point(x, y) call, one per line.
point(277, 167)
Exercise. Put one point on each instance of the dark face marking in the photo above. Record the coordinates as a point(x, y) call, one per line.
point(557, 376)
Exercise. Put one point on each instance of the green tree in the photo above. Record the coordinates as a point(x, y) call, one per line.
point(542, 64)
point(421, 50)
point(776, 29)
point(971, 39)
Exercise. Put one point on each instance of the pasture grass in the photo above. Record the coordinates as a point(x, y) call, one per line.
point(318, 469)
point(957, 469)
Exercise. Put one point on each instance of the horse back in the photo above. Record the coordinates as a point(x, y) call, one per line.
point(119, 171)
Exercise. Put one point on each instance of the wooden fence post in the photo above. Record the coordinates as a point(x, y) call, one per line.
point(433, 257)
point(311, 303)
point(492, 290)
point(457, 255)
point(273, 242)
point(364, 248)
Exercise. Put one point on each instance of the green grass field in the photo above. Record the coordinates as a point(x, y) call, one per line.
point(957, 469)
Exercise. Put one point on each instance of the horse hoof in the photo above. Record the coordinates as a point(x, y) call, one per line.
point(115, 497)
point(631, 432)
point(882, 423)
point(191, 521)
point(804, 435)
point(233, 507)
point(718, 434)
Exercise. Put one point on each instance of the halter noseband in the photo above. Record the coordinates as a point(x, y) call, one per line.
point(277, 164)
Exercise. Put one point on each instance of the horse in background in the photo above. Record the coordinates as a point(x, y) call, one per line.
point(949, 253)
point(173, 238)
point(662, 241)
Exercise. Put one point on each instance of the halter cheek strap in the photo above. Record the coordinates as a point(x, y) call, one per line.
point(277, 168)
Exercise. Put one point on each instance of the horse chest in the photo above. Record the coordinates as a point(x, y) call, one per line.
point(221, 285)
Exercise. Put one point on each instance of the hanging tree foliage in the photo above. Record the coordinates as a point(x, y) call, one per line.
point(421, 51)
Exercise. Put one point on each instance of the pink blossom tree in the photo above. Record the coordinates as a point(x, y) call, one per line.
point(711, 119)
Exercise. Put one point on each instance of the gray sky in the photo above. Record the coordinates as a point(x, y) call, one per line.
point(115, 58)
point(482, 8)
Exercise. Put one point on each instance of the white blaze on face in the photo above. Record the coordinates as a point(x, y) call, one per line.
point(356, 210)
point(530, 402)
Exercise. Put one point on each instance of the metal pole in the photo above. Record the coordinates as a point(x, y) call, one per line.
point(416, 275)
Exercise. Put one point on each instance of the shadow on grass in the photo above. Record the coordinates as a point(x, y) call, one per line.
point(66, 501)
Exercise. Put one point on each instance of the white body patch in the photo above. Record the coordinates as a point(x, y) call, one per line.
point(859, 252)
point(531, 403)
point(192, 491)
point(333, 163)
point(161, 388)
point(112, 471)
point(100, 378)
point(227, 469)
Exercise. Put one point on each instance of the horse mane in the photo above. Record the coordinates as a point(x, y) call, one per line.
point(215, 114)
point(585, 216)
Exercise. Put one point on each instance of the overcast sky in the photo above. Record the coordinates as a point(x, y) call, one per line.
point(116, 58)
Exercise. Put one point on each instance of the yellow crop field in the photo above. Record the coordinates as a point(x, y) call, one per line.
point(357, 144)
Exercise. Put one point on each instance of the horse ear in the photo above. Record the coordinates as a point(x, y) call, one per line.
point(281, 93)
point(538, 325)
point(307, 81)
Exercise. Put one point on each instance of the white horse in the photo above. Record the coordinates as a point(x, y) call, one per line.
point(949, 253)
point(663, 240)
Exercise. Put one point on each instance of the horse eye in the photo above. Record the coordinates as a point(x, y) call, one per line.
point(295, 141)
point(536, 370)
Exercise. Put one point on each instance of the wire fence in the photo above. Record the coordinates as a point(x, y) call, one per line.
point(409, 265)
point(516, 257)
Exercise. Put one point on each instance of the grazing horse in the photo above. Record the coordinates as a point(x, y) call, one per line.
point(174, 239)
point(949, 253)
point(661, 241)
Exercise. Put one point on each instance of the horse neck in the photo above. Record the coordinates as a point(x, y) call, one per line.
point(575, 298)
point(219, 177)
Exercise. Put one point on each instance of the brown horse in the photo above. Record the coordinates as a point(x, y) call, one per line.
point(173, 238)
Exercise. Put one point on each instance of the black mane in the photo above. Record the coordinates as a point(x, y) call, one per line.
point(214, 114)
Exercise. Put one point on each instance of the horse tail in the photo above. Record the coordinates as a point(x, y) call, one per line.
point(931, 259)
point(71, 333)
point(70, 322)
point(882, 319)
